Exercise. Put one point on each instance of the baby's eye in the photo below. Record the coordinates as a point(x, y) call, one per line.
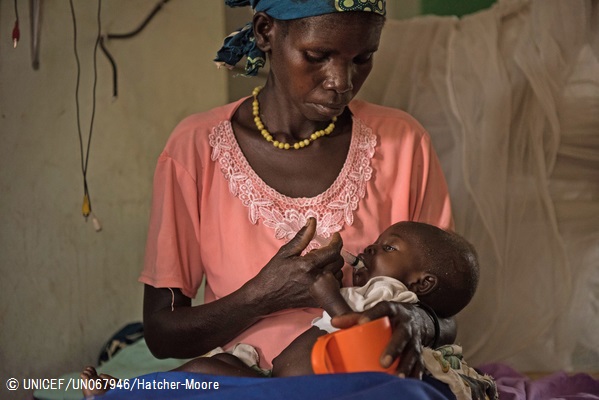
point(386, 247)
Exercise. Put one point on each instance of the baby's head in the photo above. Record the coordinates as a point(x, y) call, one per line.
point(440, 267)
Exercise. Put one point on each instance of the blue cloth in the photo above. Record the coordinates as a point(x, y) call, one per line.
point(366, 385)
point(242, 42)
point(293, 9)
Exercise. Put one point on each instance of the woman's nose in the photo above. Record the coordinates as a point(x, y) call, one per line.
point(339, 78)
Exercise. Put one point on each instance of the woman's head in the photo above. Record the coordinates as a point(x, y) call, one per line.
point(241, 43)
point(441, 267)
point(319, 62)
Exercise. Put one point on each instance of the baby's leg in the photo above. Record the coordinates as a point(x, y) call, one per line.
point(219, 364)
point(96, 384)
point(296, 359)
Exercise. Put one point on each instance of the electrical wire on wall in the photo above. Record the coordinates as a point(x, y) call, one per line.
point(16, 32)
point(86, 208)
point(35, 14)
point(127, 35)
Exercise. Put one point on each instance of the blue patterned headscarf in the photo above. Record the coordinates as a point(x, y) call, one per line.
point(242, 42)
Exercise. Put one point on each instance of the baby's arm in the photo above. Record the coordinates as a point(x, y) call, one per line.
point(325, 290)
point(296, 358)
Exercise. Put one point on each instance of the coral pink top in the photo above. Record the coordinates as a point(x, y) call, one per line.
point(213, 216)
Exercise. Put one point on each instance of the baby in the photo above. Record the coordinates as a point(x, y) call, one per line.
point(409, 262)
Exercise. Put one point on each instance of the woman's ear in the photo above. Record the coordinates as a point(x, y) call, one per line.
point(424, 285)
point(263, 28)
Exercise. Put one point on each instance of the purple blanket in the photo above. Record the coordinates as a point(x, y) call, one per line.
point(512, 385)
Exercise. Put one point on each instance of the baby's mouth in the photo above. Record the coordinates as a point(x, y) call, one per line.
point(360, 272)
point(359, 264)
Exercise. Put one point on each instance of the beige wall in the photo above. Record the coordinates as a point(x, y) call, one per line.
point(64, 289)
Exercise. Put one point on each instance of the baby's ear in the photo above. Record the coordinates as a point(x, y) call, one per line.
point(425, 284)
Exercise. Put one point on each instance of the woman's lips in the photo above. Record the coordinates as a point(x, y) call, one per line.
point(329, 110)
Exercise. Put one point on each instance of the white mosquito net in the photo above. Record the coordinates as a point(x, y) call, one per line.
point(510, 96)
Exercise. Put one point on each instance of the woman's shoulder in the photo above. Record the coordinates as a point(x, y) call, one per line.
point(189, 144)
point(382, 114)
point(387, 121)
point(376, 110)
point(206, 120)
point(194, 130)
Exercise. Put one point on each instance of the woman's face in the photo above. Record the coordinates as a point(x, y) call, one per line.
point(321, 62)
point(394, 254)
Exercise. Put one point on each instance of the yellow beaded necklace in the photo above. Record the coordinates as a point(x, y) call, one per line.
point(286, 146)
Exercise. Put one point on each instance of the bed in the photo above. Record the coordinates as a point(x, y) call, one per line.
point(137, 367)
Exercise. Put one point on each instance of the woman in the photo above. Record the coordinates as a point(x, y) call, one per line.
point(226, 199)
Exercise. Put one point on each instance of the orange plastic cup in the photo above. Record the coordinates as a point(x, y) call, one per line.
point(355, 349)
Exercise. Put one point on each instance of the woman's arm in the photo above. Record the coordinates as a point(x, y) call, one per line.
point(173, 328)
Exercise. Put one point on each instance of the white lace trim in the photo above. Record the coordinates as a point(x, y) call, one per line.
point(287, 215)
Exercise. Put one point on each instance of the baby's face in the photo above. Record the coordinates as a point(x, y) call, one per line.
point(391, 255)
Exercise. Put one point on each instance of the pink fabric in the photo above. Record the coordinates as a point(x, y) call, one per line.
point(213, 216)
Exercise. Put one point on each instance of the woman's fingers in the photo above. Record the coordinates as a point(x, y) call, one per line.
point(358, 318)
point(380, 310)
point(289, 275)
point(346, 320)
point(300, 241)
point(405, 342)
point(339, 276)
point(333, 251)
point(336, 242)
point(327, 258)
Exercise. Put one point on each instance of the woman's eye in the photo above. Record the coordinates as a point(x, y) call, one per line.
point(314, 57)
point(363, 59)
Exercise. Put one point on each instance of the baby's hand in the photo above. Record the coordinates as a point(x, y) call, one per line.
point(324, 285)
point(325, 290)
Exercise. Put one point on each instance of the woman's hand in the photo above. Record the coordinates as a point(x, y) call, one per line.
point(411, 328)
point(176, 329)
point(286, 280)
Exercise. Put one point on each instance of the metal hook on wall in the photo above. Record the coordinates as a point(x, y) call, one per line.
point(128, 35)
